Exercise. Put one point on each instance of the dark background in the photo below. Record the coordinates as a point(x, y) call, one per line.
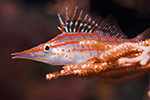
point(27, 23)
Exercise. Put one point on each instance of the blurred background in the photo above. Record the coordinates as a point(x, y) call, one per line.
point(27, 23)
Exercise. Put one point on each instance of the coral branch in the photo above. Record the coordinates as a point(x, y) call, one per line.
point(143, 59)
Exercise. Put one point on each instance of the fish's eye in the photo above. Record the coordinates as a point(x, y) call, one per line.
point(47, 47)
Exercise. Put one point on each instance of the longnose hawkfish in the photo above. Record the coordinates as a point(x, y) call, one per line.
point(86, 48)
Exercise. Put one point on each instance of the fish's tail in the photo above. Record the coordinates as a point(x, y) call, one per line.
point(144, 35)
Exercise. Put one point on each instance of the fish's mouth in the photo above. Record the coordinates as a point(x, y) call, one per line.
point(29, 56)
point(21, 55)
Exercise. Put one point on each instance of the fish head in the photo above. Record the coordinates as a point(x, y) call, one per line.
point(42, 53)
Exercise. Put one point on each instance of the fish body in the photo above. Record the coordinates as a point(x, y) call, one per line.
point(66, 47)
point(69, 51)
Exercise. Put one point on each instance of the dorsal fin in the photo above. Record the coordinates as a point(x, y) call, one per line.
point(81, 24)
point(110, 27)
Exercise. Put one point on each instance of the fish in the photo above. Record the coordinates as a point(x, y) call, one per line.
point(68, 47)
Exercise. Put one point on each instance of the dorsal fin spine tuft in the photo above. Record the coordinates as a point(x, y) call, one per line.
point(61, 23)
point(60, 20)
point(76, 23)
point(74, 14)
point(67, 16)
point(81, 24)
point(108, 27)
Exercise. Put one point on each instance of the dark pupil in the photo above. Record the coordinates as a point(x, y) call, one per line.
point(47, 48)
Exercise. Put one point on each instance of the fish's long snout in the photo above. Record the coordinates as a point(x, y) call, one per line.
point(30, 53)
point(20, 55)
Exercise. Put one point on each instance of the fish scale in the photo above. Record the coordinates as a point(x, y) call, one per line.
point(74, 44)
